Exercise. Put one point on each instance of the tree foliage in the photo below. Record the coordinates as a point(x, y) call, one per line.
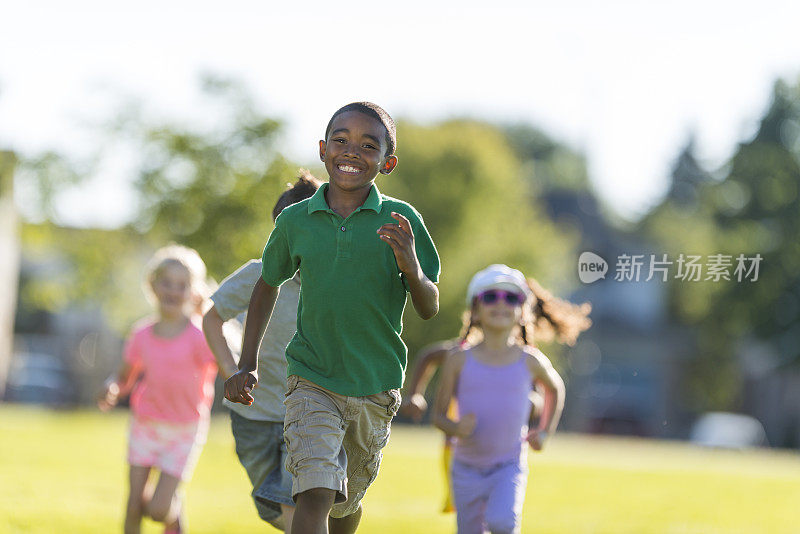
point(213, 190)
point(466, 181)
point(752, 209)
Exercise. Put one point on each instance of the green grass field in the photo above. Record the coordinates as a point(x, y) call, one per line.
point(65, 472)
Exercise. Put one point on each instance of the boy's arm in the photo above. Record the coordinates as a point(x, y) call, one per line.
point(212, 328)
point(262, 301)
point(414, 404)
point(543, 372)
point(424, 293)
point(447, 385)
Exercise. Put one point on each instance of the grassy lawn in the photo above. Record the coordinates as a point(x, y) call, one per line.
point(66, 472)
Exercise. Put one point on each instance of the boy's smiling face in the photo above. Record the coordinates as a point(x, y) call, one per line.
point(354, 152)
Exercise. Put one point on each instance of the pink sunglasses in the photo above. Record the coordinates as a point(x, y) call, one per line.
point(492, 296)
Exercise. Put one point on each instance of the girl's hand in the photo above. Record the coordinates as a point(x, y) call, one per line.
point(536, 439)
point(239, 386)
point(466, 426)
point(108, 399)
point(401, 238)
point(414, 407)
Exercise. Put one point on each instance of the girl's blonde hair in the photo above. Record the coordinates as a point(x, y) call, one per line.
point(544, 314)
point(189, 259)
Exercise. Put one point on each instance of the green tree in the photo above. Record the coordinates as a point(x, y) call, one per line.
point(547, 164)
point(213, 190)
point(751, 211)
point(210, 190)
point(467, 182)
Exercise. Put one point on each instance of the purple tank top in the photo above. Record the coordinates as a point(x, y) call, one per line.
point(499, 398)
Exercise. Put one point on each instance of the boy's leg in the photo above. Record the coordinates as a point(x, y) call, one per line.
point(506, 497)
point(313, 430)
point(370, 420)
point(313, 506)
point(287, 514)
point(137, 481)
point(345, 525)
point(262, 453)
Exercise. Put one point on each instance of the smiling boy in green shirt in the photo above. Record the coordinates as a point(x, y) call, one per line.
point(358, 253)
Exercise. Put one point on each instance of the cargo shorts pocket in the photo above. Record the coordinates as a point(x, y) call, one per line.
point(395, 400)
point(390, 401)
point(295, 444)
point(380, 439)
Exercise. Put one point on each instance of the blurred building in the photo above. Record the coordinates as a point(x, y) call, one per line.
point(771, 392)
point(9, 266)
point(63, 357)
point(624, 373)
point(59, 358)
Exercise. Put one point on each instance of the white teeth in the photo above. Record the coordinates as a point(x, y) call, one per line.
point(348, 168)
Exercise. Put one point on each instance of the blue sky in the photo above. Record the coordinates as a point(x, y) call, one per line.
point(624, 82)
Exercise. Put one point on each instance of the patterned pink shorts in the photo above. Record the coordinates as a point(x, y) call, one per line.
point(174, 448)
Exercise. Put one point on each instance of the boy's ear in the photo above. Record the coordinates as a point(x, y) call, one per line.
point(322, 147)
point(389, 165)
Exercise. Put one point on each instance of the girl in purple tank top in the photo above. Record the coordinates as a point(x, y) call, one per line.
point(492, 379)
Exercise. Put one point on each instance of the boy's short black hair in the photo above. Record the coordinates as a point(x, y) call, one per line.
point(376, 112)
point(305, 187)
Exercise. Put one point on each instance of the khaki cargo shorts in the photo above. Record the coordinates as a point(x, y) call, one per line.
point(334, 441)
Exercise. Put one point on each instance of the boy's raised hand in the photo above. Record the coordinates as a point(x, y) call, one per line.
point(401, 238)
point(239, 386)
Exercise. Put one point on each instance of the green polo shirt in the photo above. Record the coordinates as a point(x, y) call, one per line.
point(352, 295)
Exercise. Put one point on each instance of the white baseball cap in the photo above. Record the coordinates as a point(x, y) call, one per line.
point(497, 276)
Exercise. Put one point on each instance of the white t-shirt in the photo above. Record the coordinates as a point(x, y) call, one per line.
point(231, 300)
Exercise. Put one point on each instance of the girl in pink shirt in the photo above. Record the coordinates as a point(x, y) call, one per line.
point(170, 370)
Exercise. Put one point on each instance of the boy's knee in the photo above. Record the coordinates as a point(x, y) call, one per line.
point(317, 498)
point(287, 512)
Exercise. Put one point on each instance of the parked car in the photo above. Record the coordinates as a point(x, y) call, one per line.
point(728, 431)
point(39, 379)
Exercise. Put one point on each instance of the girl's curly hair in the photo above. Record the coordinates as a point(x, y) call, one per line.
point(544, 315)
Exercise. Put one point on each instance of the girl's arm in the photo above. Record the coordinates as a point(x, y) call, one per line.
point(426, 364)
point(117, 385)
point(543, 373)
point(212, 328)
point(447, 386)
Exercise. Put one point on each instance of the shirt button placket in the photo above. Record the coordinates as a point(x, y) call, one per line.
point(344, 241)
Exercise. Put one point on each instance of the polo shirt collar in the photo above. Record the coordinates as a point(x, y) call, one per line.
point(317, 201)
